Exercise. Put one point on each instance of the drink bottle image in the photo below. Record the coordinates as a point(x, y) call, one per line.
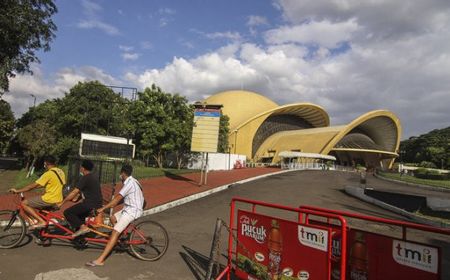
point(358, 263)
point(336, 255)
point(275, 246)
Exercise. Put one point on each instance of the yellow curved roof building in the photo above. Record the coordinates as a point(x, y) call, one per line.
point(261, 129)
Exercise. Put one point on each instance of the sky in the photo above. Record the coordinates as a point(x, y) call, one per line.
point(348, 56)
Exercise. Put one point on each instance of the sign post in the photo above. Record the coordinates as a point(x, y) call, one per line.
point(205, 133)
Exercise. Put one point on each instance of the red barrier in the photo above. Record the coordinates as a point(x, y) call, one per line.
point(303, 249)
point(377, 256)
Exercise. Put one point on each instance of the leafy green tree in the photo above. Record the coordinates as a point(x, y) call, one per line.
point(26, 26)
point(432, 147)
point(163, 123)
point(91, 107)
point(37, 139)
point(224, 130)
point(7, 122)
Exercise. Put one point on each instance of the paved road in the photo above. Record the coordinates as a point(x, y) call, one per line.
point(191, 227)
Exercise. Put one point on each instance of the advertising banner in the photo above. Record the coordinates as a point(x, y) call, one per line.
point(272, 248)
point(379, 257)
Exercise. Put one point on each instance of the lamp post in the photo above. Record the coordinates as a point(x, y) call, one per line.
point(34, 102)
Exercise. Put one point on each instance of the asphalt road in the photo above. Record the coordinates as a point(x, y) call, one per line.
point(191, 227)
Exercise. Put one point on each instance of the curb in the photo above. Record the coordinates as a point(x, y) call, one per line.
point(430, 188)
point(359, 193)
point(178, 202)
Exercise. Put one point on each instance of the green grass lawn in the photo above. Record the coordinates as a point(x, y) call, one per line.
point(17, 178)
point(412, 179)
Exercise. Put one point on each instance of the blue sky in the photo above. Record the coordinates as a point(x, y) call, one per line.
point(124, 35)
point(348, 56)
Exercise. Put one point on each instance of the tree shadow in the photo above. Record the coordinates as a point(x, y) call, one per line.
point(177, 177)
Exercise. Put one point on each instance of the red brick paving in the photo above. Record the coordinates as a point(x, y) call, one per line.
point(161, 190)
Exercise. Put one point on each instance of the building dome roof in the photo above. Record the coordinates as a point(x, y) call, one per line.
point(241, 105)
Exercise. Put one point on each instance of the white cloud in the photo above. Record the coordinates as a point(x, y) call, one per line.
point(323, 33)
point(126, 48)
point(146, 45)
point(166, 16)
point(130, 56)
point(256, 21)
point(22, 86)
point(92, 19)
point(398, 58)
point(96, 24)
point(224, 35)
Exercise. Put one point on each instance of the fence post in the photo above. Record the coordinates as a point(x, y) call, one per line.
point(213, 261)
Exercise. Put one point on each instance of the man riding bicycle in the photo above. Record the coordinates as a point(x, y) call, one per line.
point(52, 180)
point(89, 187)
point(131, 193)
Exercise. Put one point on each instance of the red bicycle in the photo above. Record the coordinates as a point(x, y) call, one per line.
point(145, 239)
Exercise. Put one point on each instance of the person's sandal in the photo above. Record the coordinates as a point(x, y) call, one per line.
point(93, 264)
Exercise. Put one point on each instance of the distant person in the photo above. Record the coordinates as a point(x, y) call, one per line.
point(89, 187)
point(53, 181)
point(131, 193)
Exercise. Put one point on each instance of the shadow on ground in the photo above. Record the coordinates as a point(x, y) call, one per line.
point(177, 177)
point(197, 263)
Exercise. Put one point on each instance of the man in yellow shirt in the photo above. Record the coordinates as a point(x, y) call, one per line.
point(52, 180)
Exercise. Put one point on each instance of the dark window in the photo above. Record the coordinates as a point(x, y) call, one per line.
point(274, 124)
point(111, 150)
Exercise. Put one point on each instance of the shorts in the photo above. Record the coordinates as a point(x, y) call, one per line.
point(123, 220)
point(37, 203)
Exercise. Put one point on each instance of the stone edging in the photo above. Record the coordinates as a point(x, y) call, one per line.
point(438, 189)
point(359, 193)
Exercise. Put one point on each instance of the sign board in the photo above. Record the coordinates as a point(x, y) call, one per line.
point(205, 133)
point(273, 248)
point(92, 145)
point(380, 257)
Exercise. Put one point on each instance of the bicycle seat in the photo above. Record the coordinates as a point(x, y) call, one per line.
point(50, 208)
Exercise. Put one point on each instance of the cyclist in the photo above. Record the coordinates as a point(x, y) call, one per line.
point(131, 193)
point(89, 186)
point(53, 181)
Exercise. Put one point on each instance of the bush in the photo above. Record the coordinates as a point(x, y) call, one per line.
point(424, 173)
point(427, 164)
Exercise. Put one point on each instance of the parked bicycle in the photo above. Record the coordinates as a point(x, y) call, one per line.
point(145, 239)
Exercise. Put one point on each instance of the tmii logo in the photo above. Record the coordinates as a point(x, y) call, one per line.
point(415, 255)
point(314, 238)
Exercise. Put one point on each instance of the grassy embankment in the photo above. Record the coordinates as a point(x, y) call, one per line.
point(414, 180)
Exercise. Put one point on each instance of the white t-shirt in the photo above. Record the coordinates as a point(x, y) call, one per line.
point(133, 197)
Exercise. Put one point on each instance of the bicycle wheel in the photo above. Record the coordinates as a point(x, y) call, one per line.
point(12, 229)
point(148, 240)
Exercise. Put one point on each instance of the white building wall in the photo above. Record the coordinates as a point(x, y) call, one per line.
point(217, 161)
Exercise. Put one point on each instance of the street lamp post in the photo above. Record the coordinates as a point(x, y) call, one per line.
point(34, 102)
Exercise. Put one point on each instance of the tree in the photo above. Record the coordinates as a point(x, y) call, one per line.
point(432, 147)
point(26, 26)
point(163, 123)
point(7, 122)
point(224, 130)
point(37, 139)
point(92, 107)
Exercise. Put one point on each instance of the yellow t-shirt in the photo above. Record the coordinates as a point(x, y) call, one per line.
point(53, 187)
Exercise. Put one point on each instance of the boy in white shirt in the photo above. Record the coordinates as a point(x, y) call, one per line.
point(131, 193)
